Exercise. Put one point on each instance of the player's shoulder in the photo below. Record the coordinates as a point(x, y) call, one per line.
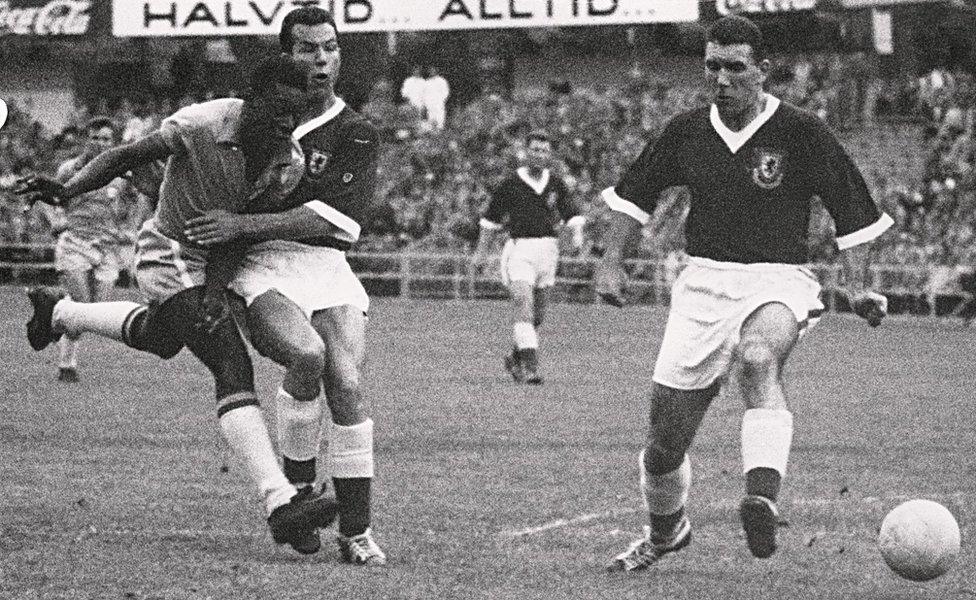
point(689, 119)
point(793, 117)
point(354, 127)
point(211, 113)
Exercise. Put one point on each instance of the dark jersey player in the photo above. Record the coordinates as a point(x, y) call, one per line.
point(752, 165)
point(532, 203)
point(306, 309)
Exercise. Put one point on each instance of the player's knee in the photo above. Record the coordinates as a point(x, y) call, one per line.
point(307, 360)
point(756, 360)
point(660, 459)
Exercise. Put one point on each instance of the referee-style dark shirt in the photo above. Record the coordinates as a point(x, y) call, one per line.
point(533, 209)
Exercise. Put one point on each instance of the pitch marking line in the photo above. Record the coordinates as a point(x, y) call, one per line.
point(812, 502)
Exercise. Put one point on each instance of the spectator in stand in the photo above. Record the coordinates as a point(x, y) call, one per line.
point(413, 89)
point(436, 93)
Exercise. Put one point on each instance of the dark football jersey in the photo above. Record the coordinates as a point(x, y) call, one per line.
point(751, 190)
point(341, 153)
point(533, 209)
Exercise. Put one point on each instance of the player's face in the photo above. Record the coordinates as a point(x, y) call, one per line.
point(538, 154)
point(101, 139)
point(734, 78)
point(316, 51)
point(267, 123)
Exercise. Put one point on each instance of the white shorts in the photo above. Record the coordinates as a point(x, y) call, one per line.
point(164, 266)
point(312, 277)
point(710, 300)
point(74, 253)
point(532, 260)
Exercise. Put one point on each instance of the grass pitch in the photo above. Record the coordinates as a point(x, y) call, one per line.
point(112, 488)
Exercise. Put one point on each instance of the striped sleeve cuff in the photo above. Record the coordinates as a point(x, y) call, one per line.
point(335, 217)
point(486, 224)
point(627, 207)
point(861, 236)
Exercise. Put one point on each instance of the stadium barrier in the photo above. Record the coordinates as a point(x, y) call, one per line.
point(925, 290)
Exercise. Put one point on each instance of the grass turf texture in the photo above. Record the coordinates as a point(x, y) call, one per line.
point(112, 487)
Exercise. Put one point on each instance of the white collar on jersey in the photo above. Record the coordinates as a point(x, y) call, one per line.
point(737, 139)
point(320, 120)
point(536, 185)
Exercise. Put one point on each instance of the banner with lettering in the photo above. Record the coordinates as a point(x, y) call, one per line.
point(263, 17)
point(728, 7)
point(44, 17)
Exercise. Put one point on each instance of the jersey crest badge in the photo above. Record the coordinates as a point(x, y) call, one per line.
point(768, 170)
point(317, 162)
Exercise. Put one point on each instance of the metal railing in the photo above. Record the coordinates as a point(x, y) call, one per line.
point(452, 276)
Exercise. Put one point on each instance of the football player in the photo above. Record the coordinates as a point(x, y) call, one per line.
point(533, 202)
point(226, 154)
point(752, 164)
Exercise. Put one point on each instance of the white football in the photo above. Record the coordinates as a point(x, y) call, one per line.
point(919, 540)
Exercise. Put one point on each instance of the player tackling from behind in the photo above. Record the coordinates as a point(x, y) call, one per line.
point(305, 307)
point(752, 164)
point(534, 202)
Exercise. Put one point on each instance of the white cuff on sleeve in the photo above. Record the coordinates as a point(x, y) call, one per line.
point(627, 207)
point(577, 221)
point(485, 223)
point(867, 234)
point(343, 222)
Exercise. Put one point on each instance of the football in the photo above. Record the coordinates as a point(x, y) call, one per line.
point(919, 540)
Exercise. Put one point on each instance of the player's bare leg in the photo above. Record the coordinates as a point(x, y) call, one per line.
point(523, 363)
point(350, 455)
point(665, 474)
point(282, 332)
point(78, 286)
point(767, 337)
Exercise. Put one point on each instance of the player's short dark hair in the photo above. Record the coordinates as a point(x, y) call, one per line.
point(101, 122)
point(306, 15)
point(271, 70)
point(736, 29)
point(538, 135)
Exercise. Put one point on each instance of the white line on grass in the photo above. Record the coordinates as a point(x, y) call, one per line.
point(723, 504)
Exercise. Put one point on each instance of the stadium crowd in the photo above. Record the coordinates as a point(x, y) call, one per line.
point(434, 182)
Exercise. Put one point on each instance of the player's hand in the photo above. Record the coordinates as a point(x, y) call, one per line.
point(215, 311)
point(215, 227)
point(870, 306)
point(610, 281)
point(38, 188)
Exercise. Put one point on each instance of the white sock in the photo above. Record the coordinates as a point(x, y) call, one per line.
point(102, 318)
point(299, 426)
point(67, 353)
point(525, 335)
point(246, 433)
point(766, 438)
point(665, 494)
point(351, 450)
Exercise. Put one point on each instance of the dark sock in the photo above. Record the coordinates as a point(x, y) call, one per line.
point(662, 526)
point(299, 472)
point(763, 481)
point(529, 357)
point(353, 495)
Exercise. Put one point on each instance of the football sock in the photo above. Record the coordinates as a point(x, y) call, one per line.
point(525, 336)
point(67, 353)
point(247, 435)
point(766, 438)
point(350, 458)
point(665, 495)
point(102, 318)
point(299, 436)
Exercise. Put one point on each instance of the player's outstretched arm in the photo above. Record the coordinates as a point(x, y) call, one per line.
point(219, 226)
point(865, 302)
point(96, 174)
point(609, 278)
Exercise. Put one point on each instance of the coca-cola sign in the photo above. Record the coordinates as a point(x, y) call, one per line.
point(56, 17)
